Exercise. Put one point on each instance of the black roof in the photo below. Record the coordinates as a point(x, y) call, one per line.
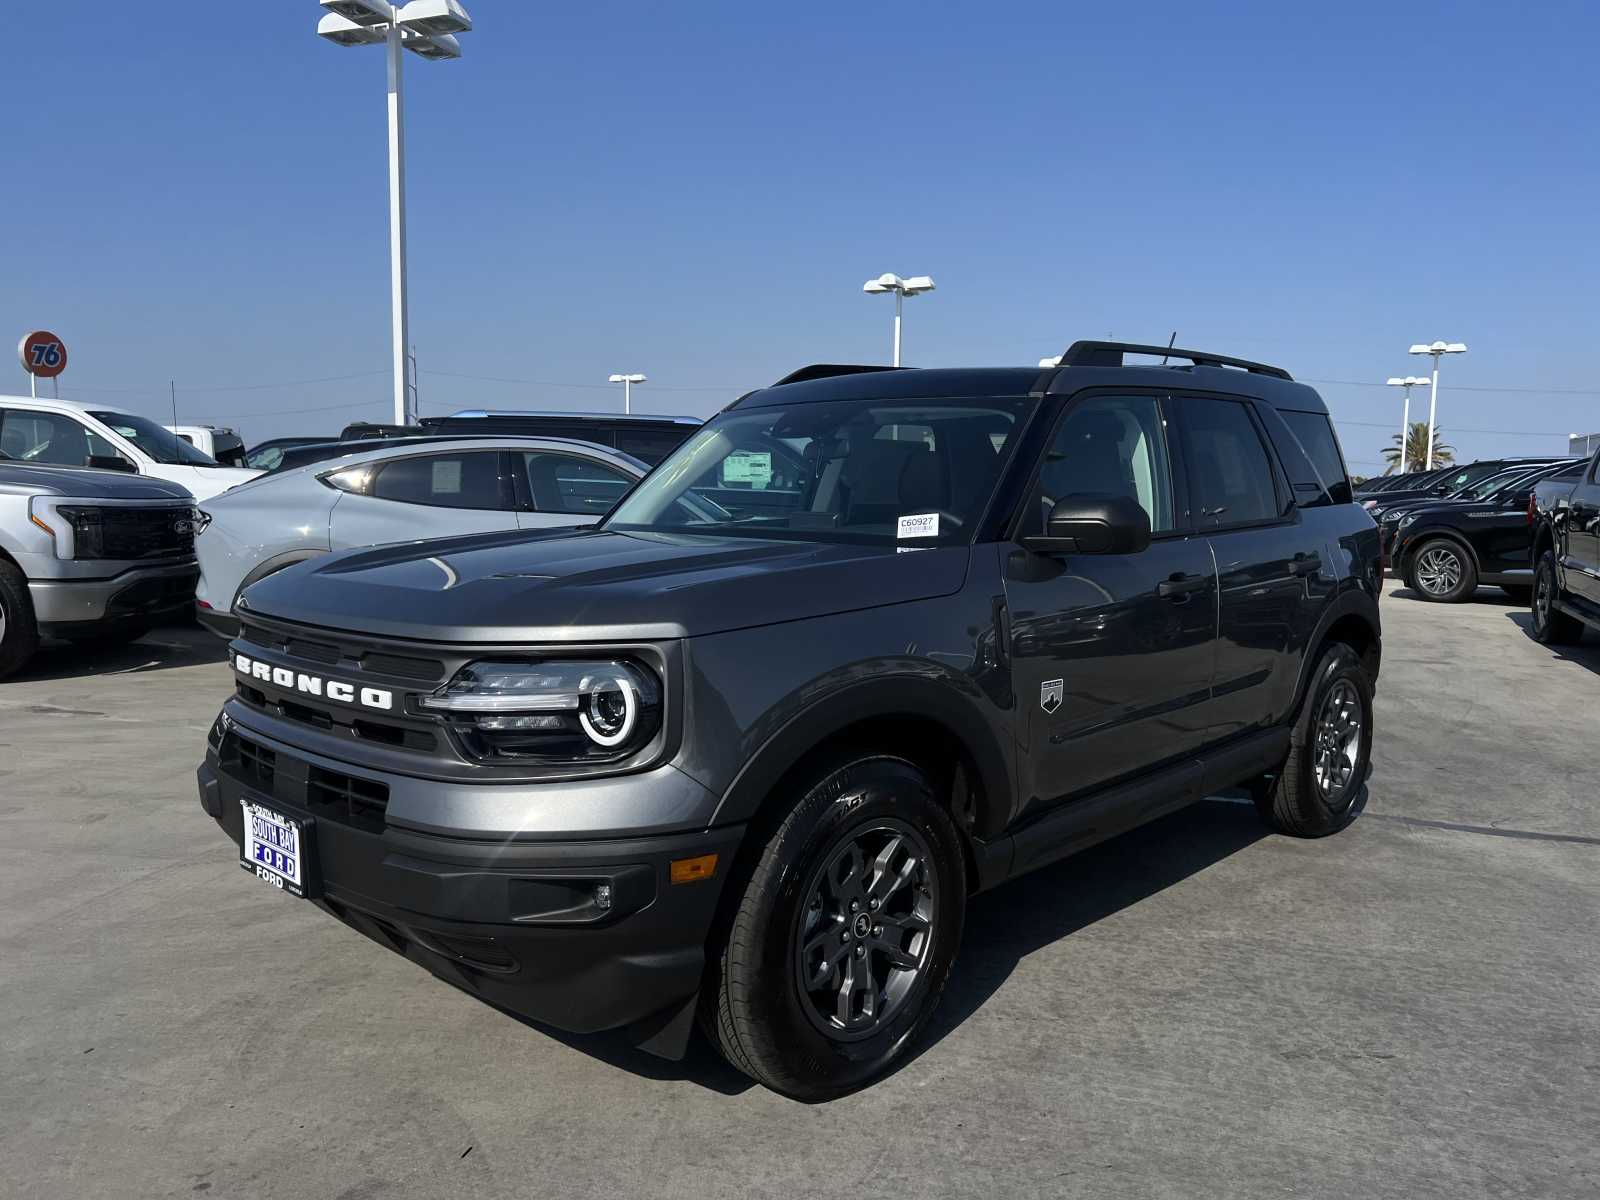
point(1094, 368)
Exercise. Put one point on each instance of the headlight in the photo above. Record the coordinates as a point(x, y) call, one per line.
point(559, 711)
point(1409, 519)
point(201, 519)
point(76, 529)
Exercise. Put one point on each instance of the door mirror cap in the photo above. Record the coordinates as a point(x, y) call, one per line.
point(111, 462)
point(1093, 524)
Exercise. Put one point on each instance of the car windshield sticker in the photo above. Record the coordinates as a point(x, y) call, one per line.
point(918, 526)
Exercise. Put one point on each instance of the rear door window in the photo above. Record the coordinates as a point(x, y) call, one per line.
point(1231, 478)
point(1315, 434)
point(460, 479)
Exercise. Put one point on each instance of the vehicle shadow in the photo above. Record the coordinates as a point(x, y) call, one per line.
point(159, 650)
point(1011, 922)
point(1005, 926)
point(1585, 653)
point(1486, 594)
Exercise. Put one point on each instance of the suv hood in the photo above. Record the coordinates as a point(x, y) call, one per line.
point(594, 584)
point(22, 479)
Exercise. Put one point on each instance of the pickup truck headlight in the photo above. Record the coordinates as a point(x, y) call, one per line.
point(76, 529)
point(556, 711)
point(1409, 519)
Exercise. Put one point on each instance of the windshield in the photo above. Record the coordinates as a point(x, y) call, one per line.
point(159, 443)
point(905, 473)
point(1493, 483)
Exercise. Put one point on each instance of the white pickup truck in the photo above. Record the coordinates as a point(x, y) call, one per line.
point(89, 556)
point(61, 433)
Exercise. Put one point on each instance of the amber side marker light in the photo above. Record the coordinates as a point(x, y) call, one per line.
point(693, 870)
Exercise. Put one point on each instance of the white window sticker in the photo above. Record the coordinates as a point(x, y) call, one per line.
point(918, 526)
point(447, 477)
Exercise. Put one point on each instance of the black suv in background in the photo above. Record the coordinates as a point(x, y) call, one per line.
point(868, 642)
point(1444, 549)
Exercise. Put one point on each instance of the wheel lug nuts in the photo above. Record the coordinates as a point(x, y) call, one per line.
point(861, 951)
point(855, 906)
point(874, 904)
point(877, 931)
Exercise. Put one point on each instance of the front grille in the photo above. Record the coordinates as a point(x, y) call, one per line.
point(346, 799)
point(134, 533)
point(251, 764)
point(321, 792)
point(334, 650)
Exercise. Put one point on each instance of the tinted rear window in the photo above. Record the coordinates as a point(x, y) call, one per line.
point(1321, 444)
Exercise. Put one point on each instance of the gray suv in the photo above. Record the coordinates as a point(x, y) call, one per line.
point(868, 642)
point(88, 555)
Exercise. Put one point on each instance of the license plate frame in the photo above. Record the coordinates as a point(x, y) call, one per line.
point(277, 848)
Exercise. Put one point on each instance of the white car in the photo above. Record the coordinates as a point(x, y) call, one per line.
point(407, 492)
point(60, 433)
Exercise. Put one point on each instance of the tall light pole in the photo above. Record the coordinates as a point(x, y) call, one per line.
point(1436, 350)
point(901, 288)
point(1409, 382)
point(425, 27)
point(627, 382)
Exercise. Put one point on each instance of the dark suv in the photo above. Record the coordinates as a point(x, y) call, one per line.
point(868, 642)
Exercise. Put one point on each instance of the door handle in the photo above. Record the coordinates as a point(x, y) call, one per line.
point(1179, 585)
point(1305, 564)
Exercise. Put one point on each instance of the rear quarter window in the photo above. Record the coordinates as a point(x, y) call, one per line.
point(1314, 432)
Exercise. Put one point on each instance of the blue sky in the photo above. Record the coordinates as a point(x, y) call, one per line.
point(698, 192)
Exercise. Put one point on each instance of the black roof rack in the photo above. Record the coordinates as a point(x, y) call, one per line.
point(829, 371)
point(1109, 354)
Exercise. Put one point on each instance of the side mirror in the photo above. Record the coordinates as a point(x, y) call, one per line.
point(1093, 524)
point(1441, 490)
point(111, 462)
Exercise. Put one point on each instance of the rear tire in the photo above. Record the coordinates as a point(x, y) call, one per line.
point(19, 634)
point(795, 999)
point(1441, 570)
point(1551, 626)
point(1329, 750)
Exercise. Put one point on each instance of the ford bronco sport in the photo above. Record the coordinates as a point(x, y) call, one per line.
point(869, 641)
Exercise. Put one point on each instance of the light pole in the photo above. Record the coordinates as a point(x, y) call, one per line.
point(627, 382)
point(1409, 382)
point(901, 288)
point(1436, 350)
point(424, 27)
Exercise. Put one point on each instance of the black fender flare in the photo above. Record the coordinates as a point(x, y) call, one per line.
point(275, 564)
point(937, 699)
point(1353, 601)
point(1544, 531)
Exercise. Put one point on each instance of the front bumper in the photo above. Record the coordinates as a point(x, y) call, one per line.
point(516, 923)
point(65, 606)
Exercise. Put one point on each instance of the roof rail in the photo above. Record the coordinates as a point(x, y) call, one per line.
point(829, 371)
point(1109, 354)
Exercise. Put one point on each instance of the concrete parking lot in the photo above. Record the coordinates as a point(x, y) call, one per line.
point(1409, 1009)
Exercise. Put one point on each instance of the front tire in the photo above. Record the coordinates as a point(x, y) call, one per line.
point(844, 934)
point(19, 634)
point(1329, 750)
point(1551, 626)
point(1441, 570)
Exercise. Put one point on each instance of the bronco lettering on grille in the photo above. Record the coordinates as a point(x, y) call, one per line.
point(313, 685)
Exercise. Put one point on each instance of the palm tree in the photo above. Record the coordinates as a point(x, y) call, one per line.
point(1417, 449)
